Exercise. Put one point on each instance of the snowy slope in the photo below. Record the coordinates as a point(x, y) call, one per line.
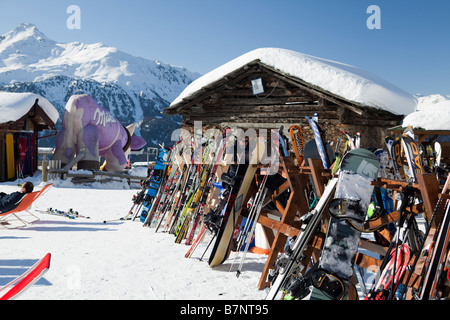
point(341, 79)
point(117, 260)
point(26, 54)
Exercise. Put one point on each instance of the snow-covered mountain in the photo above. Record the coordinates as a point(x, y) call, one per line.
point(424, 101)
point(134, 89)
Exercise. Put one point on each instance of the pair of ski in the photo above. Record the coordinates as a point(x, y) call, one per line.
point(18, 286)
point(68, 214)
point(248, 230)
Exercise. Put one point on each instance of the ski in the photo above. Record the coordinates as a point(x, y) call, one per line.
point(243, 241)
point(392, 274)
point(16, 287)
point(283, 141)
point(337, 157)
point(396, 152)
point(211, 221)
point(71, 214)
point(288, 261)
point(138, 200)
point(320, 143)
point(216, 153)
point(350, 141)
point(412, 154)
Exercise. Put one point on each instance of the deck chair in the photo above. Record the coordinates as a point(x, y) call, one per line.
point(24, 206)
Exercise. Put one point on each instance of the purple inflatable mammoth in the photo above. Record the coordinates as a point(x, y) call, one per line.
point(90, 132)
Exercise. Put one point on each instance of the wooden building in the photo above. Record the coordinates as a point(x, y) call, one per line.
point(226, 97)
point(22, 117)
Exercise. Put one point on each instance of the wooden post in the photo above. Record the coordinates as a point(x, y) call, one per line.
point(429, 188)
point(297, 203)
point(44, 170)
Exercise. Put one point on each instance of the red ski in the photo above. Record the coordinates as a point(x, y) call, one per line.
point(20, 284)
point(382, 289)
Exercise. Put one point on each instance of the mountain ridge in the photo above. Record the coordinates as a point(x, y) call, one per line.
point(134, 89)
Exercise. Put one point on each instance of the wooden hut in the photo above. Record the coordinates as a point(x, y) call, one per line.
point(22, 117)
point(268, 88)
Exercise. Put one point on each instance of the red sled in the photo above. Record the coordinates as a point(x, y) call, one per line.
point(13, 289)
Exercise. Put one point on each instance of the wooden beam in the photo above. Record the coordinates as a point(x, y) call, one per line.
point(278, 226)
point(429, 189)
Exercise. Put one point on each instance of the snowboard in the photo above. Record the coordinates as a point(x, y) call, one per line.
point(222, 246)
point(352, 197)
point(154, 183)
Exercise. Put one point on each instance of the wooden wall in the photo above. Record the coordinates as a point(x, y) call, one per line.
point(285, 101)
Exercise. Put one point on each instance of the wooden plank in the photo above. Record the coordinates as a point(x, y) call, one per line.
point(287, 224)
point(317, 170)
point(429, 189)
point(278, 226)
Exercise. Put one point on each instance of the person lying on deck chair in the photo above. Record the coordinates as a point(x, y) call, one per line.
point(11, 201)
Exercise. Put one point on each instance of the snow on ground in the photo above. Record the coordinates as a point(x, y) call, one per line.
point(116, 260)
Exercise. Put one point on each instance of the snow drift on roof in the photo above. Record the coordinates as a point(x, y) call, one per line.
point(14, 106)
point(340, 79)
point(434, 116)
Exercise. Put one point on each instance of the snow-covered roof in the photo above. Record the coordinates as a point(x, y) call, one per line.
point(433, 116)
point(340, 79)
point(14, 106)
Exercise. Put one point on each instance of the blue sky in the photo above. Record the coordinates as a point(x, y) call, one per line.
point(411, 50)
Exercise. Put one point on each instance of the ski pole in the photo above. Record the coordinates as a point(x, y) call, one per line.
point(249, 235)
point(211, 241)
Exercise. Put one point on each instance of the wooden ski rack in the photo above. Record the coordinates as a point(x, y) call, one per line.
point(277, 231)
